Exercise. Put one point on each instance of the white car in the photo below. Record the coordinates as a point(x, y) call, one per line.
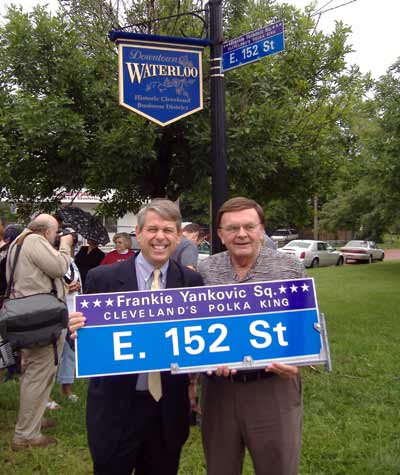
point(284, 235)
point(313, 253)
point(365, 251)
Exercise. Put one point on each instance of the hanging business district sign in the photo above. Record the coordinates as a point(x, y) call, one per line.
point(253, 46)
point(160, 80)
point(197, 329)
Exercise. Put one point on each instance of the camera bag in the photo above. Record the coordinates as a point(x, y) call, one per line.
point(35, 320)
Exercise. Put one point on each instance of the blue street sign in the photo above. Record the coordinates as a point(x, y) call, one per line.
point(162, 83)
point(253, 46)
point(194, 329)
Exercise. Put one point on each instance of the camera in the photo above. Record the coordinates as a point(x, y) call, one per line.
point(6, 354)
point(64, 231)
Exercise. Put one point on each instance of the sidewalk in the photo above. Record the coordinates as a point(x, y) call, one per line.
point(392, 254)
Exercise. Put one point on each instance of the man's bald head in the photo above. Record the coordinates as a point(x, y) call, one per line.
point(45, 225)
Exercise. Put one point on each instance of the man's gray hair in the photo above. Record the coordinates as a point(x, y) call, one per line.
point(165, 208)
point(42, 223)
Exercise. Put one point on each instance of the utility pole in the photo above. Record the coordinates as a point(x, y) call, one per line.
point(218, 122)
point(316, 218)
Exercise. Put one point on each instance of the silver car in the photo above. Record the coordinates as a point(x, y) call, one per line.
point(313, 253)
point(284, 235)
point(364, 251)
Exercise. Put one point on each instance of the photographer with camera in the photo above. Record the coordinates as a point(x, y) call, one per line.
point(39, 266)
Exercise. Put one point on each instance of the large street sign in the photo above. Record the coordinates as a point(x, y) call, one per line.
point(253, 46)
point(160, 82)
point(196, 329)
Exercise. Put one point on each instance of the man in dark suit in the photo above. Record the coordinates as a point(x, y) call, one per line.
point(128, 426)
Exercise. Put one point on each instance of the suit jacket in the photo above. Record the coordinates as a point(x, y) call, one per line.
point(110, 397)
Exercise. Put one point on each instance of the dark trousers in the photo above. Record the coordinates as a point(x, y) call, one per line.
point(142, 446)
point(265, 416)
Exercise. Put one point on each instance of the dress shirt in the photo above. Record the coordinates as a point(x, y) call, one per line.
point(144, 275)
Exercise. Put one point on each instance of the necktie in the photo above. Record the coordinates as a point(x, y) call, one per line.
point(154, 380)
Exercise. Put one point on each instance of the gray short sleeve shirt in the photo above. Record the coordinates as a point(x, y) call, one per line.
point(270, 265)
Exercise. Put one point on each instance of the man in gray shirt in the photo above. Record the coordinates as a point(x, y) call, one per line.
point(259, 409)
point(187, 252)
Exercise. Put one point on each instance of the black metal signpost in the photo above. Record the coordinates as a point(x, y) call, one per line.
point(218, 122)
point(242, 50)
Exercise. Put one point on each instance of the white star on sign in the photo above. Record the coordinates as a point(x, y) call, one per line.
point(293, 288)
point(85, 304)
point(305, 287)
point(109, 302)
point(96, 303)
point(282, 289)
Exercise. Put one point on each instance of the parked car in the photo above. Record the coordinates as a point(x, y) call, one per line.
point(204, 249)
point(284, 235)
point(364, 251)
point(313, 253)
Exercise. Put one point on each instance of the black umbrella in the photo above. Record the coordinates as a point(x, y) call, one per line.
point(84, 223)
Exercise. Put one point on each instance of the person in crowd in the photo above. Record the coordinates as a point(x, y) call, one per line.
point(268, 242)
point(122, 250)
point(193, 232)
point(258, 409)
point(2, 225)
point(66, 369)
point(88, 257)
point(9, 234)
point(38, 263)
point(187, 252)
point(131, 423)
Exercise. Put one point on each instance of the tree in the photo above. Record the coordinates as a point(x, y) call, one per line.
point(368, 187)
point(60, 125)
point(287, 138)
point(50, 106)
point(385, 144)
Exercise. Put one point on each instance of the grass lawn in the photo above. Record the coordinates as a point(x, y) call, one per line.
point(352, 415)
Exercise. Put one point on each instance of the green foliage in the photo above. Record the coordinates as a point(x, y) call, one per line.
point(367, 189)
point(286, 136)
point(385, 144)
point(6, 214)
point(51, 113)
point(60, 124)
point(290, 117)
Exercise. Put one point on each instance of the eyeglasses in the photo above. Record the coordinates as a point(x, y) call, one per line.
point(234, 229)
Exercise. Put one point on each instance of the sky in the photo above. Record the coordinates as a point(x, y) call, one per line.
point(375, 38)
point(374, 23)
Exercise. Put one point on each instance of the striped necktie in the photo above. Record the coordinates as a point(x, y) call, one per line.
point(154, 380)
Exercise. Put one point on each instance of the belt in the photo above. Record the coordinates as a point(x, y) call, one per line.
point(244, 376)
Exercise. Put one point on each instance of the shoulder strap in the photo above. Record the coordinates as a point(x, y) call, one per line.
point(19, 243)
